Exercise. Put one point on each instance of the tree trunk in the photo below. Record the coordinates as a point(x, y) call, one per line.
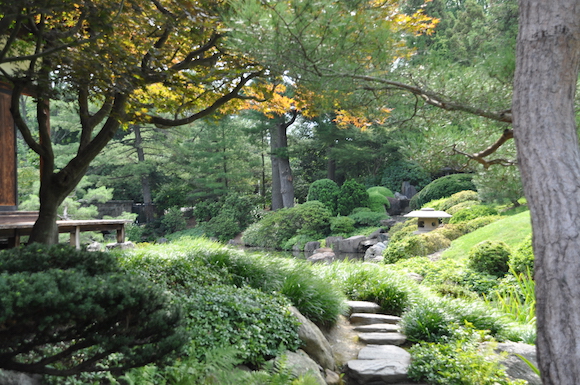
point(145, 180)
point(548, 53)
point(285, 171)
point(277, 202)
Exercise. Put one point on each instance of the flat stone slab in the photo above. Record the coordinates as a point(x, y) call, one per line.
point(363, 307)
point(369, 319)
point(379, 371)
point(374, 328)
point(385, 352)
point(383, 338)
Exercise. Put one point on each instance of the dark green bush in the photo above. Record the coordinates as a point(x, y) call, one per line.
point(65, 311)
point(223, 227)
point(378, 202)
point(381, 190)
point(490, 257)
point(473, 212)
point(441, 188)
point(522, 260)
point(397, 172)
point(352, 194)
point(173, 220)
point(259, 325)
point(325, 191)
point(341, 225)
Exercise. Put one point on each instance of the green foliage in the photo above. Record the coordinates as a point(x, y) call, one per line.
point(500, 184)
point(81, 313)
point(258, 324)
point(397, 172)
point(372, 282)
point(459, 361)
point(516, 296)
point(522, 260)
point(414, 246)
point(459, 197)
point(276, 228)
point(223, 227)
point(473, 212)
point(378, 202)
point(173, 220)
point(352, 194)
point(441, 188)
point(325, 191)
point(474, 224)
point(341, 225)
point(490, 257)
point(367, 218)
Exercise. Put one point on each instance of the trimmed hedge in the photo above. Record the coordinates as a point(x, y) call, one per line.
point(441, 188)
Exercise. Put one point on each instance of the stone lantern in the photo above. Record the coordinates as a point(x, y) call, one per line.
point(428, 219)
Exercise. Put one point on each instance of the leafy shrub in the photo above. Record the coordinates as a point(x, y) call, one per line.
point(325, 191)
point(378, 202)
point(298, 242)
point(459, 197)
point(474, 224)
point(258, 324)
point(449, 231)
point(173, 220)
point(352, 194)
point(397, 172)
point(381, 190)
point(276, 228)
point(415, 245)
point(490, 257)
point(522, 260)
point(341, 225)
point(473, 212)
point(223, 227)
point(500, 184)
point(371, 282)
point(441, 188)
point(367, 218)
point(461, 206)
point(70, 311)
point(458, 362)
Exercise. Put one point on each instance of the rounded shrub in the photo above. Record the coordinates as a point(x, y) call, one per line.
point(367, 218)
point(381, 190)
point(441, 188)
point(473, 212)
point(427, 321)
point(378, 202)
point(352, 194)
point(415, 246)
point(459, 197)
point(341, 225)
point(522, 260)
point(490, 257)
point(325, 191)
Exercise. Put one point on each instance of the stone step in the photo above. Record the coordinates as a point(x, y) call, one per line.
point(383, 371)
point(369, 319)
point(383, 338)
point(363, 307)
point(380, 328)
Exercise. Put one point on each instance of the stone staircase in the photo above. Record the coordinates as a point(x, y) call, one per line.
point(381, 360)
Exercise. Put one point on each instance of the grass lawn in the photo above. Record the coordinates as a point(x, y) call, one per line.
point(511, 230)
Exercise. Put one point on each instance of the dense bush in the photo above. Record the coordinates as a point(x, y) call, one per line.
point(325, 191)
point(352, 194)
point(367, 218)
point(474, 224)
point(522, 260)
point(490, 257)
point(472, 212)
point(276, 228)
point(441, 188)
point(341, 225)
point(397, 172)
point(258, 324)
point(459, 197)
point(65, 311)
point(226, 218)
point(378, 202)
point(414, 246)
point(173, 220)
point(381, 190)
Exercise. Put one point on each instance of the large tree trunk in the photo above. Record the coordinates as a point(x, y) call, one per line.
point(548, 53)
point(277, 202)
point(145, 180)
point(282, 179)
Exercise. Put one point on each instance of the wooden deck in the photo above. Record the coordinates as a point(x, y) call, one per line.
point(14, 225)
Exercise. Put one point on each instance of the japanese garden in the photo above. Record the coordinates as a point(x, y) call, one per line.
point(289, 192)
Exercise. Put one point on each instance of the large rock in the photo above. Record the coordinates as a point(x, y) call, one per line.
point(382, 371)
point(383, 352)
point(515, 366)
point(8, 377)
point(383, 338)
point(310, 247)
point(363, 307)
point(313, 342)
point(333, 242)
point(368, 319)
point(351, 245)
point(300, 363)
point(375, 253)
point(324, 257)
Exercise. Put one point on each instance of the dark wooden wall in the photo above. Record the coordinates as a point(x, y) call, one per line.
point(8, 186)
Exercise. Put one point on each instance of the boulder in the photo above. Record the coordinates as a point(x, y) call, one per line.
point(375, 253)
point(381, 352)
point(8, 377)
point(408, 190)
point(95, 246)
point(300, 363)
point(313, 341)
point(383, 371)
point(310, 247)
point(324, 257)
point(333, 242)
point(516, 368)
point(122, 246)
point(351, 245)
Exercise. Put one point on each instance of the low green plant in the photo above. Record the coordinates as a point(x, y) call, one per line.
point(516, 297)
point(173, 220)
point(341, 225)
point(414, 246)
point(522, 260)
point(367, 218)
point(381, 190)
point(472, 212)
point(457, 198)
point(443, 187)
point(378, 203)
point(490, 257)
